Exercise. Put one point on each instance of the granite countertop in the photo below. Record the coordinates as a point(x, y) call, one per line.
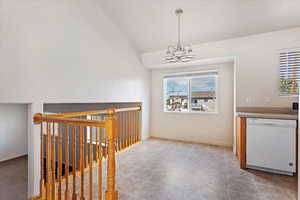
point(267, 112)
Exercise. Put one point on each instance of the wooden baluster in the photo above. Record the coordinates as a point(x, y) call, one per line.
point(85, 152)
point(134, 127)
point(94, 149)
point(126, 128)
point(121, 131)
point(53, 162)
point(103, 141)
point(74, 196)
point(42, 181)
point(91, 163)
point(67, 163)
point(99, 131)
point(97, 145)
point(59, 143)
point(110, 125)
point(139, 126)
point(117, 133)
point(48, 162)
point(129, 128)
point(105, 144)
point(81, 161)
point(129, 131)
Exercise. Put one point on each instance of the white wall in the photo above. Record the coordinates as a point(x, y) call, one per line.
point(202, 128)
point(66, 51)
point(257, 64)
point(13, 131)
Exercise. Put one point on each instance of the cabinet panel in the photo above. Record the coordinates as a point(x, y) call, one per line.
point(241, 141)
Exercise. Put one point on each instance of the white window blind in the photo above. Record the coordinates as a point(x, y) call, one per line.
point(289, 71)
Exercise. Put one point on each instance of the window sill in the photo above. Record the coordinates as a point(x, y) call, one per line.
point(288, 95)
point(192, 112)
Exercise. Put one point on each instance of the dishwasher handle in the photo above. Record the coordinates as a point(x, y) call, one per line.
point(272, 122)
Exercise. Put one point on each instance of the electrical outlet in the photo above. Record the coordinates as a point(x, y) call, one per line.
point(250, 100)
point(247, 100)
point(267, 100)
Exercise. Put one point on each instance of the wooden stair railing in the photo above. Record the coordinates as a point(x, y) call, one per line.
point(73, 143)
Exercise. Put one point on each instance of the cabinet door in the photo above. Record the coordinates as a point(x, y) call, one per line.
point(241, 141)
point(238, 137)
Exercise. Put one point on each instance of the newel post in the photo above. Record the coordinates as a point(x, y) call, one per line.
point(38, 120)
point(111, 127)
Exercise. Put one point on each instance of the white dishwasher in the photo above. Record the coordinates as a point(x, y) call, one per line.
point(271, 145)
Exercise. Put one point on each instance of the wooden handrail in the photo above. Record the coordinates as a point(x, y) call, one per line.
point(128, 109)
point(92, 112)
point(118, 129)
point(38, 118)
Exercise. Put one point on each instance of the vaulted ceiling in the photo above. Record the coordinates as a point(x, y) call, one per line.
point(152, 25)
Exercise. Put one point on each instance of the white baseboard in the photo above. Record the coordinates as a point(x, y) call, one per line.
point(12, 157)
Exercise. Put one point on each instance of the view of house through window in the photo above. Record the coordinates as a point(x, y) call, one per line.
point(192, 92)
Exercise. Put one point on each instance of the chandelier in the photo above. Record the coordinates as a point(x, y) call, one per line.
point(179, 52)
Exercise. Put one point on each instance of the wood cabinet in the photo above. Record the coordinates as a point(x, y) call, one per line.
point(241, 140)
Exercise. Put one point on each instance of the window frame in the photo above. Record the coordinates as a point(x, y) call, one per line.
point(189, 78)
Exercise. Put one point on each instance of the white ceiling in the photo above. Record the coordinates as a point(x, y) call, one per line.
point(151, 24)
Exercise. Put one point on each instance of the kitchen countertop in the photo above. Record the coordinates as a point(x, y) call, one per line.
point(267, 112)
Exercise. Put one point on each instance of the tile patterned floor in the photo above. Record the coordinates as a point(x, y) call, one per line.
point(164, 170)
point(13, 179)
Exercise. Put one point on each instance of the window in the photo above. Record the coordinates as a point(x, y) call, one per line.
point(191, 92)
point(289, 72)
